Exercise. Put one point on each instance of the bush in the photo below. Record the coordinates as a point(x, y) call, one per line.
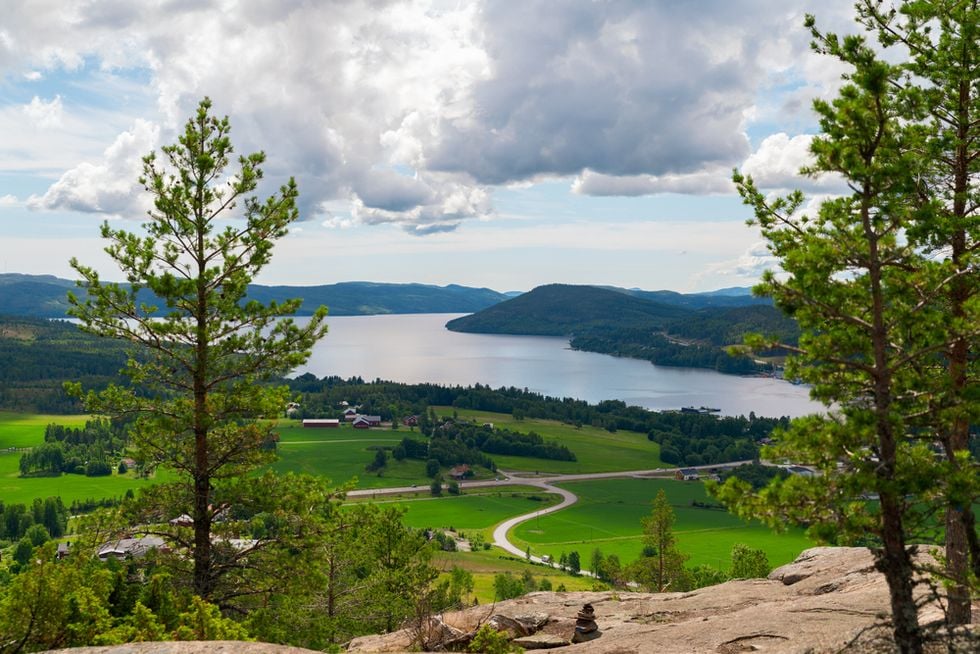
point(490, 641)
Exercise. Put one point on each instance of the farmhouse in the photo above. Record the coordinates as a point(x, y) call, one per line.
point(687, 474)
point(461, 471)
point(363, 422)
point(349, 414)
point(125, 548)
point(321, 423)
point(411, 421)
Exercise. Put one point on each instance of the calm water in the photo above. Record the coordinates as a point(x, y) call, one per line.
point(418, 348)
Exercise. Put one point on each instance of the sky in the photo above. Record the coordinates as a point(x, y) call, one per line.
point(504, 144)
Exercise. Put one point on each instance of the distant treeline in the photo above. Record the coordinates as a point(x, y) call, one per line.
point(684, 438)
point(655, 347)
point(40, 355)
point(453, 442)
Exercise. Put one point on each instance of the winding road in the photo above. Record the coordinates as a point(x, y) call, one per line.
point(545, 483)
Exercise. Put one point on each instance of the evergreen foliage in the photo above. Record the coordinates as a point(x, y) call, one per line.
point(201, 354)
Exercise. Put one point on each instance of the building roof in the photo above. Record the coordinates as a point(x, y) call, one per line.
point(126, 547)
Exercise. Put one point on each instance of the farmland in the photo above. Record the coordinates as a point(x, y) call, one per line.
point(597, 450)
point(20, 430)
point(608, 516)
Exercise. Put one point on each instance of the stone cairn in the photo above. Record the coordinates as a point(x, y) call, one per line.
point(586, 628)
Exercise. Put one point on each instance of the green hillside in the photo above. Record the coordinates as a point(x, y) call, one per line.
point(623, 323)
point(563, 310)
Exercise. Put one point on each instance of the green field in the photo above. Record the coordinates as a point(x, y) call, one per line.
point(608, 516)
point(484, 566)
point(341, 454)
point(477, 511)
point(27, 430)
point(597, 450)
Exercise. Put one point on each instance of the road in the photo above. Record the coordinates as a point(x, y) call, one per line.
point(545, 483)
point(528, 479)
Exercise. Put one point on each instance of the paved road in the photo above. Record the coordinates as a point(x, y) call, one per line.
point(529, 479)
point(545, 483)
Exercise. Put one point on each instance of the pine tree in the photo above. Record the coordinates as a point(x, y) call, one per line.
point(664, 570)
point(202, 348)
point(863, 296)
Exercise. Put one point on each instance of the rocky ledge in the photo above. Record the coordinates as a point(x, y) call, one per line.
point(829, 599)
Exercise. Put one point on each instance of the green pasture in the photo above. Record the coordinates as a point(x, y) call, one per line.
point(341, 454)
point(19, 430)
point(484, 566)
point(608, 516)
point(479, 511)
point(597, 450)
point(27, 429)
point(15, 489)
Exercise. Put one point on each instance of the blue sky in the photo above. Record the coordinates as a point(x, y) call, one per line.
point(493, 144)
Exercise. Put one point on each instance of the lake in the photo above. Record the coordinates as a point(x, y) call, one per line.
point(418, 348)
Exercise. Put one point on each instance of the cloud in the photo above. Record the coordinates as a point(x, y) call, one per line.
point(45, 114)
point(8, 200)
point(777, 163)
point(621, 89)
point(715, 180)
point(748, 266)
point(624, 97)
point(110, 185)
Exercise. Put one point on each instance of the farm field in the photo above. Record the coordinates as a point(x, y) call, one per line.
point(597, 450)
point(19, 430)
point(341, 455)
point(608, 516)
point(27, 429)
point(484, 566)
point(478, 511)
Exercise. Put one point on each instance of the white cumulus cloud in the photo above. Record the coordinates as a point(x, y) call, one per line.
point(45, 114)
point(107, 186)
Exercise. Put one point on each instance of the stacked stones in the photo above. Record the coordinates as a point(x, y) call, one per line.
point(585, 626)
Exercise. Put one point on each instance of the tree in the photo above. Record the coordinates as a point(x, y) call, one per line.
point(864, 298)
point(574, 562)
point(939, 41)
point(436, 486)
point(748, 563)
point(665, 567)
point(202, 348)
point(380, 460)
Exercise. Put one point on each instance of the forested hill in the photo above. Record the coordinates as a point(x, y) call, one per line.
point(624, 324)
point(43, 296)
point(563, 310)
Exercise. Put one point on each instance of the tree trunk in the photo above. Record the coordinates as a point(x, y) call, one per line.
point(895, 563)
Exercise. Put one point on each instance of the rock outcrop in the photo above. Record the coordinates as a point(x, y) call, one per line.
point(826, 599)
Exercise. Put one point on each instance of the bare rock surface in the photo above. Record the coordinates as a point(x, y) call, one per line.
point(819, 603)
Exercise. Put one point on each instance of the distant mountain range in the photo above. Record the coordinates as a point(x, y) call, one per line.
point(43, 296)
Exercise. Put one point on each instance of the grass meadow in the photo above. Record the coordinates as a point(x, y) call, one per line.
point(477, 510)
point(608, 516)
point(484, 566)
point(20, 430)
point(597, 450)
